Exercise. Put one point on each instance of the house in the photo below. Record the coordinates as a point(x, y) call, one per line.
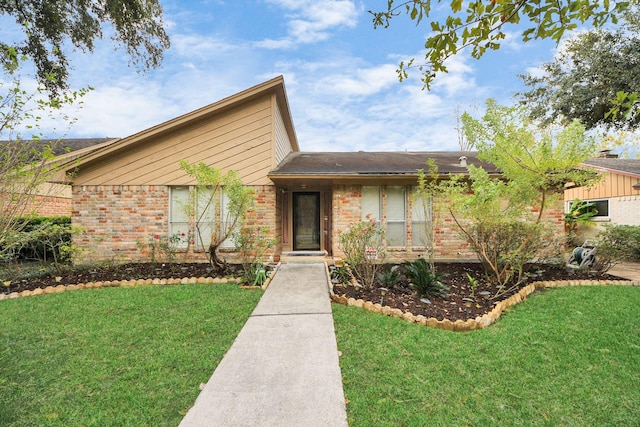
point(616, 197)
point(133, 189)
point(53, 198)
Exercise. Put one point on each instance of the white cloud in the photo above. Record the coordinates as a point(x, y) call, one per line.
point(312, 21)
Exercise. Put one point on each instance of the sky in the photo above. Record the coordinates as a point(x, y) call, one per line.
point(339, 74)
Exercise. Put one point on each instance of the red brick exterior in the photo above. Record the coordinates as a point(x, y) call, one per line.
point(50, 206)
point(450, 245)
point(117, 220)
point(347, 211)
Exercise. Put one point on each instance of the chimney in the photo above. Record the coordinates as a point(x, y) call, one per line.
point(607, 154)
point(463, 161)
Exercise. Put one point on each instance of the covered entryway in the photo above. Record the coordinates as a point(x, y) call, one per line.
point(306, 221)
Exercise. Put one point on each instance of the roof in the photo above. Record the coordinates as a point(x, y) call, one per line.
point(621, 166)
point(373, 164)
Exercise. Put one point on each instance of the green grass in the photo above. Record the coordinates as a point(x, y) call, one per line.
point(114, 356)
point(567, 357)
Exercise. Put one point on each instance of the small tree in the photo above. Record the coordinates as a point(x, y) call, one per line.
point(364, 250)
point(26, 164)
point(502, 217)
point(211, 184)
point(427, 204)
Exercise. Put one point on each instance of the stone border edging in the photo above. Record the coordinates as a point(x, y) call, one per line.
point(120, 283)
point(479, 322)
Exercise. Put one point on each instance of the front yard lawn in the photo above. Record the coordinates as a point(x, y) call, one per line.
point(568, 356)
point(114, 356)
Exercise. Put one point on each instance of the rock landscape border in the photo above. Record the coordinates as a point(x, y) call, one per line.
point(479, 322)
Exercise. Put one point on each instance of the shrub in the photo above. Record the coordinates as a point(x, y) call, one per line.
point(506, 248)
point(425, 281)
point(43, 238)
point(161, 248)
point(619, 243)
point(389, 278)
point(253, 243)
point(364, 250)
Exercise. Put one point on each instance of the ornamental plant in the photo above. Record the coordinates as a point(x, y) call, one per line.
point(364, 248)
point(252, 244)
point(161, 248)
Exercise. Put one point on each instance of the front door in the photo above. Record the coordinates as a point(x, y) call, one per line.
point(306, 221)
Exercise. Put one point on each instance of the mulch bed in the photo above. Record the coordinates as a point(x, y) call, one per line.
point(453, 306)
point(401, 296)
point(128, 271)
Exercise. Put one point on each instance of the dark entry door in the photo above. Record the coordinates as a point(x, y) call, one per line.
point(306, 221)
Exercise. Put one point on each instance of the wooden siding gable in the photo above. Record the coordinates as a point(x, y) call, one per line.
point(238, 133)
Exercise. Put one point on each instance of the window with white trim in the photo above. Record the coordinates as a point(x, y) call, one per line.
point(421, 219)
point(396, 216)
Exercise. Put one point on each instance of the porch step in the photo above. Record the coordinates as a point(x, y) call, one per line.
point(303, 257)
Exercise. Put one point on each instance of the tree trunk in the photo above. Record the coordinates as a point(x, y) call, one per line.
point(217, 264)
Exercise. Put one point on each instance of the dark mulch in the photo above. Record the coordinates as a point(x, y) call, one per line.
point(121, 272)
point(453, 307)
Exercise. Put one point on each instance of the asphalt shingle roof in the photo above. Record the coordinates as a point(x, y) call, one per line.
point(374, 163)
point(628, 166)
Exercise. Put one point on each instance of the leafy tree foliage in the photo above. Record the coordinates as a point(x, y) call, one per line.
point(587, 78)
point(211, 183)
point(502, 217)
point(51, 28)
point(26, 165)
point(482, 24)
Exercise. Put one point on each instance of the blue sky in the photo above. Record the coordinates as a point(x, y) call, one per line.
point(339, 74)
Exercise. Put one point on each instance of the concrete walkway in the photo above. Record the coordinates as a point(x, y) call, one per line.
point(282, 370)
point(626, 270)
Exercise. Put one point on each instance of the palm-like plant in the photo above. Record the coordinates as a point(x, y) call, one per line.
point(425, 281)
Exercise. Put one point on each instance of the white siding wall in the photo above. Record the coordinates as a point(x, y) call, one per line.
point(625, 210)
point(283, 144)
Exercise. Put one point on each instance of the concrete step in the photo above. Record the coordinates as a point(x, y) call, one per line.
point(303, 257)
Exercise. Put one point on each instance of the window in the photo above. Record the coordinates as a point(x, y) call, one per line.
point(601, 207)
point(205, 217)
point(204, 205)
point(396, 223)
point(395, 211)
point(371, 203)
point(421, 220)
point(224, 223)
point(179, 214)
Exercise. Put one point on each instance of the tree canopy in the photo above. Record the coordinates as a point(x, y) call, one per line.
point(52, 28)
point(482, 24)
point(584, 80)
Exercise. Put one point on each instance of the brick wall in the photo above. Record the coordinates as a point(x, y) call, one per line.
point(116, 219)
point(49, 206)
point(450, 245)
point(347, 211)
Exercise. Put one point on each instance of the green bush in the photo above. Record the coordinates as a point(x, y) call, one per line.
point(619, 243)
point(44, 238)
point(364, 248)
point(425, 281)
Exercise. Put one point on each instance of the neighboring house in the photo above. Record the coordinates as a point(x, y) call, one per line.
point(53, 198)
point(133, 190)
point(616, 196)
